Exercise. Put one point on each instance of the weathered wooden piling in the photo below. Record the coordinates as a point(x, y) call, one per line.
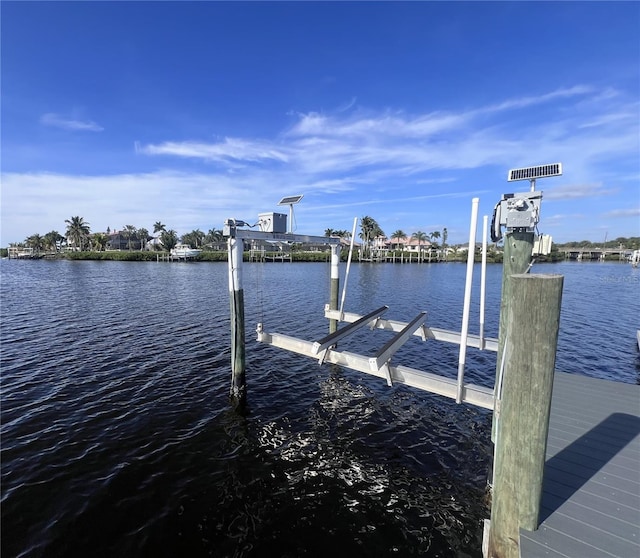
point(518, 250)
point(531, 336)
point(236, 297)
point(335, 284)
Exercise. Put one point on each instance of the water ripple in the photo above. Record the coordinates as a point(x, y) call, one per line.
point(118, 439)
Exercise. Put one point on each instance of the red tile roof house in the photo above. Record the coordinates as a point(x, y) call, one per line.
point(406, 245)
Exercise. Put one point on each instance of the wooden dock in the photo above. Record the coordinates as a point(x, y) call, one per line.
point(591, 490)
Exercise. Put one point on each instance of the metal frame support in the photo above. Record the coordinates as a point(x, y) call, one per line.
point(334, 337)
point(383, 356)
point(433, 383)
point(437, 334)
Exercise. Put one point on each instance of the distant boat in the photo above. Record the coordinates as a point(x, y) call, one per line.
point(635, 258)
point(184, 251)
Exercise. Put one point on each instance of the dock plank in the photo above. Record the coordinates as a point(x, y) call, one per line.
point(591, 490)
point(597, 496)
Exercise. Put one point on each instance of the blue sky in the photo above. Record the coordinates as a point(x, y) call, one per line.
point(189, 113)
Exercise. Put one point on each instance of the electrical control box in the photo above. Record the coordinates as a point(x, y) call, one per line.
point(520, 211)
point(273, 222)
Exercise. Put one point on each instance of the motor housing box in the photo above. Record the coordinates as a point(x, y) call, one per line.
point(273, 222)
point(520, 212)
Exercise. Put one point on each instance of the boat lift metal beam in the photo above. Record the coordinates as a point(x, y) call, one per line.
point(248, 234)
point(447, 387)
point(383, 356)
point(333, 338)
point(490, 343)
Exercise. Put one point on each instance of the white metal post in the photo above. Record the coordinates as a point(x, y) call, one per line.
point(346, 276)
point(335, 284)
point(467, 298)
point(483, 278)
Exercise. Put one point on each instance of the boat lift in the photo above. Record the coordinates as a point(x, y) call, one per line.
point(526, 352)
point(380, 364)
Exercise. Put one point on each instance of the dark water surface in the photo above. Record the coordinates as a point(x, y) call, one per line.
point(118, 438)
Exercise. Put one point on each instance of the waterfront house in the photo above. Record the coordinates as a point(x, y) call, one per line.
point(120, 241)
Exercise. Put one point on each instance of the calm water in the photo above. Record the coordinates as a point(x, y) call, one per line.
point(118, 438)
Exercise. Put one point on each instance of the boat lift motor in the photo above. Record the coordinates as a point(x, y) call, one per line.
point(521, 212)
point(517, 213)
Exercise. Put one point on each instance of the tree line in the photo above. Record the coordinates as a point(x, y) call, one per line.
point(78, 236)
point(370, 230)
point(630, 243)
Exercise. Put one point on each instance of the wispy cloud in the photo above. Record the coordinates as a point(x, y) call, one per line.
point(632, 212)
point(376, 125)
point(324, 146)
point(229, 149)
point(58, 121)
point(345, 107)
point(403, 200)
point(577, 191)
point(527, 101)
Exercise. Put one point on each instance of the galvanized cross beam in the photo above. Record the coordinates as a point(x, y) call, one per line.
point(333, 338)
point(490, 343)
point(383, 356)
point(433, 383)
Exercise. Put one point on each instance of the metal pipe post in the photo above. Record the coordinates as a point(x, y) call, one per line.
point(467, 298)
point(335, 284)
point(483, 278)
point(346, 276)
point(236, 297)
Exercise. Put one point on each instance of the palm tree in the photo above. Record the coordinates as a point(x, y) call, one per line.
point(214, 235)
point(143, 236)
point(198, 236)
point(194, 238)
point(77, 231)
point(420, 237)
point(370, 230)
point(189, 239)
point(445, 234)
point(399, 235)
point(36, 242)
point(51, 240)
point(159, 227)
point(433, 236)
point(99, 242)
point(340, 233)
point(129, 231)
point(169, 239)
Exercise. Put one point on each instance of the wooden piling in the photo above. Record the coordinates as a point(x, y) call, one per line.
point(335, 284)
point(236, 297)
point(524, 406)
point(518, 250)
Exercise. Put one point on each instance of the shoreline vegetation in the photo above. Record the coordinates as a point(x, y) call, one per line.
point(295, 255)
point(138, 244)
